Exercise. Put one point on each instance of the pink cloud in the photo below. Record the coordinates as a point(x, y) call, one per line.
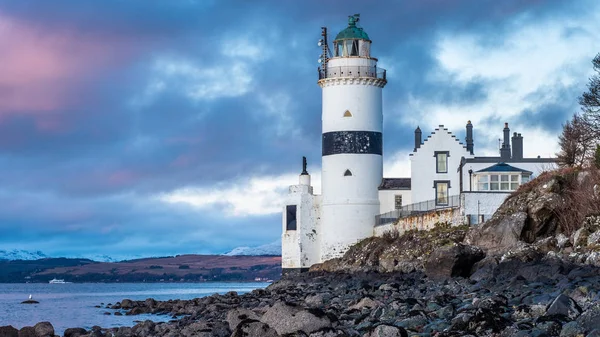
point(122, 178)
point(183, 160)
point(42, 68)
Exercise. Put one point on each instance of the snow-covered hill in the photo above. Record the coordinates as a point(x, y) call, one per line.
point(273, 248)
point(19, 254)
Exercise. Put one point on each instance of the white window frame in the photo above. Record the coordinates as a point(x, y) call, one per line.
point(500, 181)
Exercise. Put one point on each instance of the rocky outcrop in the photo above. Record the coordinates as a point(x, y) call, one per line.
point(395, 253)
point(453, 261)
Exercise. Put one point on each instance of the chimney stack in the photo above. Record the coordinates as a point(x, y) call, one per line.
point(517, 146)
point(469, 138)
point(505, 149)
point(418, 135)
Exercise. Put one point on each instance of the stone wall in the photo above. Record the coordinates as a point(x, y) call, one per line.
point(425, 221)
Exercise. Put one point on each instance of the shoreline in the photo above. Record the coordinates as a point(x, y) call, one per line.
point(519, 296)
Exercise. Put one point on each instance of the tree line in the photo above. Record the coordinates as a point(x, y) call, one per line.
point(579, 141)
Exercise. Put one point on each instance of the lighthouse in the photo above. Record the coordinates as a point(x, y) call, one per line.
point(316, 228)
point(352, 144)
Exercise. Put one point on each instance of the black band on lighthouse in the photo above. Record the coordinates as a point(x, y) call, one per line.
point(363, 142)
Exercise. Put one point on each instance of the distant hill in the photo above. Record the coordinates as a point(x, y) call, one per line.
point(181, 268)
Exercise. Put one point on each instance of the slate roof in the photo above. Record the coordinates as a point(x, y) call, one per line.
point(503, 167)
point(395, 184)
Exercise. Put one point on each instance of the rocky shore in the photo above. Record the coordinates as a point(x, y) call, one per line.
point(525, 295)
point(526, 272)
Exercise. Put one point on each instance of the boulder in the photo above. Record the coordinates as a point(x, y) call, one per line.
point(126, 304)
point(44, 329)
point(237, 315)
point(74, 332)
point(365, 303)
point(499, 233)
point(8, 331)
point(286, 319)
point(572, 329)
point(453, 261)
point(590, 319)
point(124, 332)
point(252, 328)
point(27, 331)
point(564, 305)
point(388, 331)
point(197, 329)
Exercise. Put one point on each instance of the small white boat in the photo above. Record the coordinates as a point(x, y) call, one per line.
point(57, 281)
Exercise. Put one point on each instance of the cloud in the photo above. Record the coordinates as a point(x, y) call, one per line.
point(192, 116)
point(536, 62)
point(256, 196)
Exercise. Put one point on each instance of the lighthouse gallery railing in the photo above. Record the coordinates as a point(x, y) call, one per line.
point(415, 209)
point(352, 71)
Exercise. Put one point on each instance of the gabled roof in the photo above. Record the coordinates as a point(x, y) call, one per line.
point(395, 184)
point(503, 167)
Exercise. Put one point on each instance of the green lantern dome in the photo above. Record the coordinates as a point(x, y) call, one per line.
point(352, 31)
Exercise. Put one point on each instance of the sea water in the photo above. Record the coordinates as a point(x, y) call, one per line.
point(73, 305)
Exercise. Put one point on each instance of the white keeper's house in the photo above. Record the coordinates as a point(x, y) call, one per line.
point(355, 197)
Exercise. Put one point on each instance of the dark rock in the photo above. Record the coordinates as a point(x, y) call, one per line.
point(127, 304)
point(30, 302)
point(572, 329)
point(74, 332)
point(27, 331)
point(124, 332)
point(8, 331)
point(453, 261)
point(252, 328)
point(388, 331)
point(564, 305)
point(44, 329)
point(285, 318)
point(500, 233)
point(237, 315)
point(590, 319)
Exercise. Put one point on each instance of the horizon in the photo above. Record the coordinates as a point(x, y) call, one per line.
point(153, 128)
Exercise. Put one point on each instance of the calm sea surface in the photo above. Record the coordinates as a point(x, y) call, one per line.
point(72, 305)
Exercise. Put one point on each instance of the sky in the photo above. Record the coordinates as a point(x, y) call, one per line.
point(163, 127)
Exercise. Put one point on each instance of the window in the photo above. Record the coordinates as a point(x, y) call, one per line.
point(500, 182)
point(441, 192)
point(397, 201)
point(441, 161)
point(483, 183)
point(347, 173)
point(504, 182)
point(514, 182)
point(290, 217)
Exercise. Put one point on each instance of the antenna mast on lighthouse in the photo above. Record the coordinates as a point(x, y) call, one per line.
point(325, 53)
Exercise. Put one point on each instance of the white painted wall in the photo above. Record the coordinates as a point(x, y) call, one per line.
point(481, 203)
point(300, 247)
point(423, 165)
point(387, 199)
point(363, 101)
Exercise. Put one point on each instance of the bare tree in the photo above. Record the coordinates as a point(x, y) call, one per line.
point(590, 100)
point(577, 143)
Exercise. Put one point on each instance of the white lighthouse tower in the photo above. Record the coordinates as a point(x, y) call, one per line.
point(352, 163)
